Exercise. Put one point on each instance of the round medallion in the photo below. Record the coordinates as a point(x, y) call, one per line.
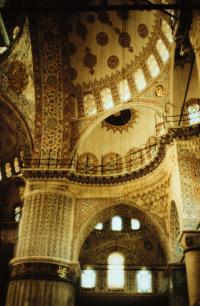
point(113, 62)
point(73, 74)
point(159, 91)
point(142, 30)
point(90, 60)
point(102, 38)
point(124, 39)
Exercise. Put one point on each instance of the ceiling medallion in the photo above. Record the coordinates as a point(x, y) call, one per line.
point(90, 60)
point(120, 121)
point(159, 91)
point(125, 41)
point(113, 62)
point(143, 30)
point(102, 38)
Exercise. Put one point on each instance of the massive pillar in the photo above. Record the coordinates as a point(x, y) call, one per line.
point(42, 273)
point(191, 243)
point(195, 37)
point(178, 293)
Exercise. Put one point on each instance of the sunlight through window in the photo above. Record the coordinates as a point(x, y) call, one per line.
point(124, 91)
point(116, 223)
point(167, 31)
point(88, 278)
point(135, 224)
point(99, 226)
point(162, 50)
point(89, 104)
point(139, 78)
point(144, 281)
point(194, 113)
point(115, 271)
point(153, 66)
point(107, 99)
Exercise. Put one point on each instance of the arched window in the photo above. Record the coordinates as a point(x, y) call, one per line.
point(124, 91)
point(135, 224)
point(194, 113)
point(167, 30)
point(139, 78)
point(16, 165)
point(144, 281)
point(88, 278)
point(8, 170)
point(115, 271)
point(89, 104)
point(116, 223)
point(107, 99)
point(99, 226)
point(153, 66)
point(162, 50)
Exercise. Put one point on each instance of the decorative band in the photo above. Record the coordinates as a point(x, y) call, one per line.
point(42, 270)
point(192, 248)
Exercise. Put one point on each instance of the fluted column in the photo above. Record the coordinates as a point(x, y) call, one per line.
point(195, 37)
point(42, 273)
point(190, 240)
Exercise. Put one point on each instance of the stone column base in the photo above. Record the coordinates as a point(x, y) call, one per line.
point(29, 292)
point(42, 284)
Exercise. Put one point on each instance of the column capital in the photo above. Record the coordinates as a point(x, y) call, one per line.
point(190, 240)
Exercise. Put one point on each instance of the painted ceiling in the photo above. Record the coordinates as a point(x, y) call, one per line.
point(102, 43)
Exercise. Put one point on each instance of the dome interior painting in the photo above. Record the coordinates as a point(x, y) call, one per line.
point(99, 153)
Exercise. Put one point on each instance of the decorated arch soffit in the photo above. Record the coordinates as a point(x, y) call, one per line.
point(15, 134)
point(16, 78)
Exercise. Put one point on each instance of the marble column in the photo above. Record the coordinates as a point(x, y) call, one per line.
point(190, 240)
point(42, 272)
point(195, 37)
